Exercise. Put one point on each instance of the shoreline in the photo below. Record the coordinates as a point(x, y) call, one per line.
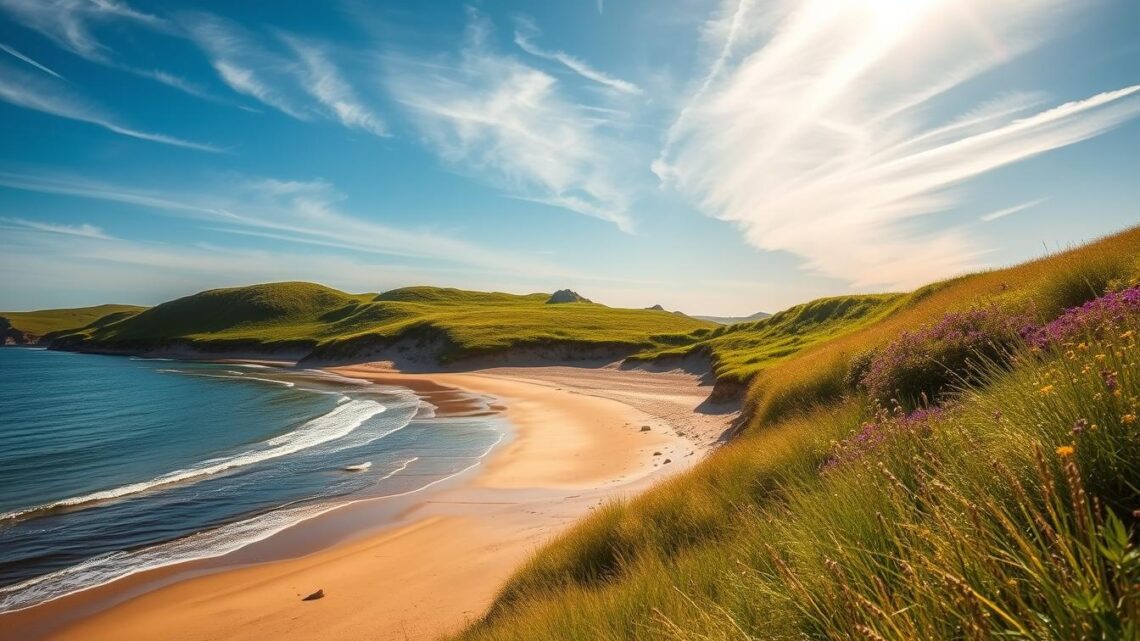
point(382, 579)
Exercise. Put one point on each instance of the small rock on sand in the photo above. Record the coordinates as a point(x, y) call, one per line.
point(667, 461)
point(645, 428)
point(319, 594)
point(657, 454)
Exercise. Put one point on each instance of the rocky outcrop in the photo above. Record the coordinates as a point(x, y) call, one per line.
point(656, 308)
point(11, 336)
point(566, 296)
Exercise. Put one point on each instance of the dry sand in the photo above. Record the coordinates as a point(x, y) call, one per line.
point(578, 441)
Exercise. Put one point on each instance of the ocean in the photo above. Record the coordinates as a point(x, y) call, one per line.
point(112, 465)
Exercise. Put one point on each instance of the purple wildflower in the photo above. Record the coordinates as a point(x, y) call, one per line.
point(873, 434)
point(1109, 378)
point(928, 361)
point(1098, 315)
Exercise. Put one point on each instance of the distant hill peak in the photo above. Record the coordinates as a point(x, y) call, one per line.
point(656, 308)
point(567, 296)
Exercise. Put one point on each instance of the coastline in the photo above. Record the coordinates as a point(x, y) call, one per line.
point(573, 447)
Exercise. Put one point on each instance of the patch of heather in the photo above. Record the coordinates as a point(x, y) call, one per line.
point(885, 426)
point(1094, 318)
point(921, 366)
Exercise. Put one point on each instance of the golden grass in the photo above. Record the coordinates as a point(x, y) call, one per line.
point(1007, 516)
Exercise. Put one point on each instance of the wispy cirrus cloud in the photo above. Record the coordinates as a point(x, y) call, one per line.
point(297, 212)
point(527, 31)
point(245, 65)
point(322, 80)
point(808, 134)
point(83, 230)
point(11, 51)
point(1009, 211)
point(284, 72)
point(71, 23)
point(35, 93)
point(512, 125)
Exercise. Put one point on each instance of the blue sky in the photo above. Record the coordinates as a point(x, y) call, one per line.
point(712, 156)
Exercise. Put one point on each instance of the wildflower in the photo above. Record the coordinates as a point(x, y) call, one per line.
point(1128, 419)
point(1109, 378)
point(1080, 426)
point(1128, 334)
point(1047, 390)
point(1065, 450)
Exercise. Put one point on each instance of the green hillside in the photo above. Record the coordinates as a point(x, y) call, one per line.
point(449, 323)
point(742, 350)
point(46, 321)
point(1002, 506)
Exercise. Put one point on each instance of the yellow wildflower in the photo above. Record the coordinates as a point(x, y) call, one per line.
point(1047, 390)
point(1128, 334)
point(1128, 419)
point(1065, 450)
point(1099, 357)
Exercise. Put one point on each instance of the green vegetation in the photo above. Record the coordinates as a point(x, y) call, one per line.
point(1007, 512)
point(741, 351)
point(446, 323)
point(46, 321)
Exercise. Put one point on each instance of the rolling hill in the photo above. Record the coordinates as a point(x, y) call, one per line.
point(29, 327)
point(426, 325)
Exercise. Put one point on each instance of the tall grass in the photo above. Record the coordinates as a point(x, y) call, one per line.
point(1040, 289)
point(1008, 514)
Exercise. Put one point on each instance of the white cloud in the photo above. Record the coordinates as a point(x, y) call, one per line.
point(323, 81)
point(527, 29)
point(511, 124)
point(287, 79)
point(1009, 211)
point(298, 212)
point(69, 23)
point(30, 92)
point(808, 133)
point(19, 56)
point(84, 230)
point(244, 65)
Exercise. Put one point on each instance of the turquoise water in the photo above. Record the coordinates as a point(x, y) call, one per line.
point(112, 465)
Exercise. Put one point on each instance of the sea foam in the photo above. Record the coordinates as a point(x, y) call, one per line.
point(337, 423)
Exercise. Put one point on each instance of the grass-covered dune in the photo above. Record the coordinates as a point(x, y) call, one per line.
point(740, 351)
point(966, 466)
point(28, 327)
point(438, 323)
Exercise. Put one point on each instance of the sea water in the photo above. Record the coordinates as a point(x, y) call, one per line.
point(112, 465)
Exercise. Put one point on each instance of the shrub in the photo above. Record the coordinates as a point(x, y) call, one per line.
point(882, 429)
point(927, 363)
point(1091, 319)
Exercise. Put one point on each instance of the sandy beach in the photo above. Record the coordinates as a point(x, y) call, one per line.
point(581, 436)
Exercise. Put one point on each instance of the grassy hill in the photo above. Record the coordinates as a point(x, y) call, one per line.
point(46, 321)
point(742, 350)
point(1004, 505)
point(449, 323)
